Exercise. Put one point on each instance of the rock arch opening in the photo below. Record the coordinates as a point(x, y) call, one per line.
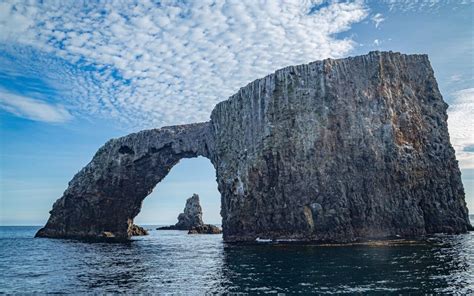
point(192, 175)
point(103, 199)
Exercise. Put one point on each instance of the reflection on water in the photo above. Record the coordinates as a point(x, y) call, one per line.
point(438, 266)
point(172, 261)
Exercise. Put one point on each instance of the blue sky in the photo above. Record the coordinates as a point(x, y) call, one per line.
point(74, 74)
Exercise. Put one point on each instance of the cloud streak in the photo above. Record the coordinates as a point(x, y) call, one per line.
point(461, 126)
point(33, 109)
point(146, 64)
point(424, 5)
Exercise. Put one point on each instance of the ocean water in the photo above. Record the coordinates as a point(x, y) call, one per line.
point(177, 263)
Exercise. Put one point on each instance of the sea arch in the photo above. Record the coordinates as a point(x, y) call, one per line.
point(105, 196)
point(335, 150)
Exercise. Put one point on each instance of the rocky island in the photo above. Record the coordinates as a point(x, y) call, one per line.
point(191, 219)
point(335, 150)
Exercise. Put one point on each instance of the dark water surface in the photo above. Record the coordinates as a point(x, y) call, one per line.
point(174, 262)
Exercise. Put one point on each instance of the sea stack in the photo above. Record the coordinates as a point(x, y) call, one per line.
point(335, 150)
point(190, 217)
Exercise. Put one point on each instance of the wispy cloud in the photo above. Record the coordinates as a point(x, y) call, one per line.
point(149, 64)
point(377, 19)
point(461, 126)
point(33, 109)
point(425, 5)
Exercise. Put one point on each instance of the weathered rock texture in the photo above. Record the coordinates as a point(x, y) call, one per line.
point(191, 216)
point(191, 219)
point(335, 150)
point(136, 230)
point(205, 229)
point(104, 197)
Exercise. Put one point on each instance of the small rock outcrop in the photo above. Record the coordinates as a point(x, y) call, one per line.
point(205, 229)
point(136, 230)
point(335, 150)
point(191, 216)
point(191, 219)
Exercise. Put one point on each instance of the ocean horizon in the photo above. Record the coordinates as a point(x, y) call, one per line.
point(331, 140)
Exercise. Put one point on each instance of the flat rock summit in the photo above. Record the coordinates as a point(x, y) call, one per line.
point(331, 151)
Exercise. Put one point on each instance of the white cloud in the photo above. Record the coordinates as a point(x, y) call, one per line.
point(424, 5)
point(33, 109)
point(377, 19)
point(148, 65)
point(461, 126)
point(455, 78)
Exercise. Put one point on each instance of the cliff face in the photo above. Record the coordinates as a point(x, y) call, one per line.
point(336, 150)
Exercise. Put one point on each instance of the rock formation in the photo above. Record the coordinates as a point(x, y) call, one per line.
point(136, 230)
point(191, 219)
point(104, 197)
point(334, 150)
point(191, 216)
point(205, 229)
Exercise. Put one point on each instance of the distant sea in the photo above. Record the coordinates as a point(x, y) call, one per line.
point(178, 263)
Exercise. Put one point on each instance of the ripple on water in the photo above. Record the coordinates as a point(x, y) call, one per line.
point(173, 262)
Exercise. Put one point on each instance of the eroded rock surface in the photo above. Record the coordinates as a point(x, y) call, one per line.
point(339, 150)
point(136, 230)
point(191, 216)
point(205, 229)
point(335, 150)
point(104, 197)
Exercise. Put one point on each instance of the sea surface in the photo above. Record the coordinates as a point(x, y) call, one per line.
point(177, 263)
